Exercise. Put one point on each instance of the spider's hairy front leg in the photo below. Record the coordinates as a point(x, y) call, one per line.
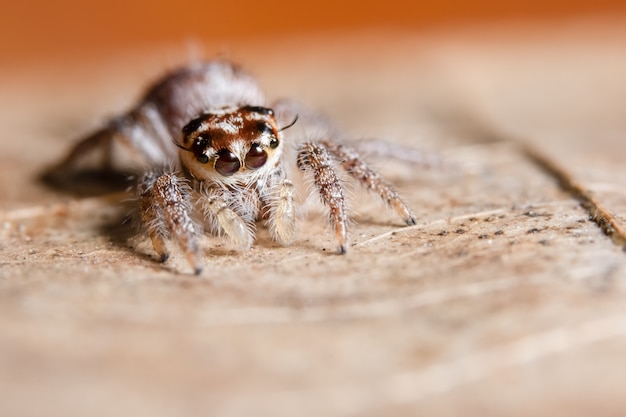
point(315, 159)
point(358, 168)
point(165, 212)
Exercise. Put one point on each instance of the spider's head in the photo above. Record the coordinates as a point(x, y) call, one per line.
point(232, 142)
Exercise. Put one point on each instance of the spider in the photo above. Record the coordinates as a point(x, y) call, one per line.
point(208, 146)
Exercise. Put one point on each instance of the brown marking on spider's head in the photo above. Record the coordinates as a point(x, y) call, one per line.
point(229, 141)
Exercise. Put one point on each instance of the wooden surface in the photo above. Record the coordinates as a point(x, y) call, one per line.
point(504, 299)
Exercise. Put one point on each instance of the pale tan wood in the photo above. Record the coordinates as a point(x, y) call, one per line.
point(504, 299)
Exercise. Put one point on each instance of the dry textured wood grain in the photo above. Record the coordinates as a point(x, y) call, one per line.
point(504, 299)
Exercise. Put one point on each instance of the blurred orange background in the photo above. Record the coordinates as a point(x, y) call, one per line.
point(47, 28)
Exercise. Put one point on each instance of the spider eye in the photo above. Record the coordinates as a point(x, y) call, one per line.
point(256, 157)
point(265, 128)
point(194, 125)
point(199, 146)
point(227, 163)
point(274, 143)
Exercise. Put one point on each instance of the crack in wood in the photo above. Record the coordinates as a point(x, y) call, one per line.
point(600, 214)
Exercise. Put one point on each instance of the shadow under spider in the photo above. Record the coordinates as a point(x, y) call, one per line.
point(120, 228)
point(86, 183)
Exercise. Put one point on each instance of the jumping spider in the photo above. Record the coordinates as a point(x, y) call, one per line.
point(227, 154)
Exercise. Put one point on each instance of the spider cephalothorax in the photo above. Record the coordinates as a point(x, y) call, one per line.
point(228, 155)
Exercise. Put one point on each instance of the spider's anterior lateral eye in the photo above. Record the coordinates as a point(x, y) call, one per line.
point(274, 143)
point(256, 157)
point(227, 163)
point(202, 158)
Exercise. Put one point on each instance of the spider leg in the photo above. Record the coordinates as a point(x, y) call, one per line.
point(283, 214)
point(95, 149)
point(140, 135)
point(165, 212)
point(358, 168)
point(314, 158)
point(387, 150)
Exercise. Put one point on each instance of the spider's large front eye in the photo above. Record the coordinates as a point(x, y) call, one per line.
point(227, 163)
point(256, 157)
